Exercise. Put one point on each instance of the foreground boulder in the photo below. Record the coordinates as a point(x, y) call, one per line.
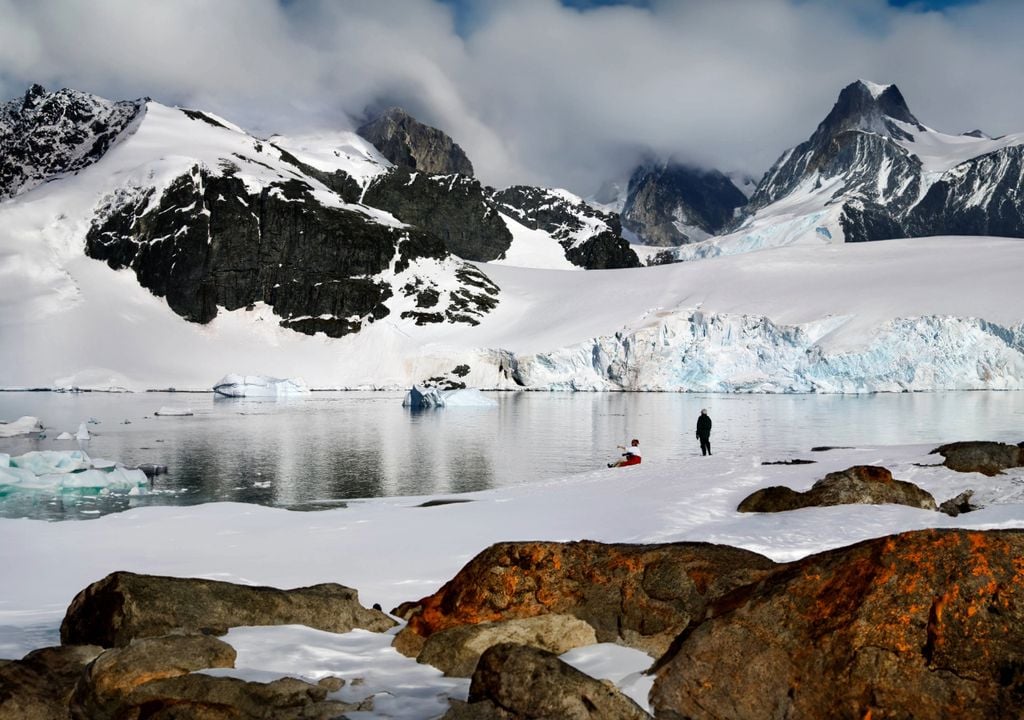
point(866, 484)
point(926, 624)
point(514, 682)
point(455, 651)
point(124, 606)
point(39, 686)
point(152, 678)
point(636, 595)
point(987, 458)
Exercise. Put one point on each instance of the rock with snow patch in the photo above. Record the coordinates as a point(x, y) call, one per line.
point(125, 606)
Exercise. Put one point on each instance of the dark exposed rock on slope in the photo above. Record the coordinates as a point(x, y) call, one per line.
point(926, 624)
point(48, 134)
point(413, 145)
point(590, 238)
point(867, 484)
point(209, 242)
point(124, 606)
point(452, 207)
point(639, 595)
point(671, 204)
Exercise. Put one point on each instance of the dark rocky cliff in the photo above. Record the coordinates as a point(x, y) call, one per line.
point(454, 208)
point(669, 204)
point(410, 144)
point(207, 242)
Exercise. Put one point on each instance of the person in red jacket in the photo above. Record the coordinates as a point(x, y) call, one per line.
point(630, 454)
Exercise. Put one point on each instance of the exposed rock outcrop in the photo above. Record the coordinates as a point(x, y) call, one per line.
point(637, 595)
point(987, 458)
point(453, 208)
point(865, 484)
point(515, 682)
point(410, 144)
point(124, 606)
point(671, 204)
point(926, 624)
point(456, 650)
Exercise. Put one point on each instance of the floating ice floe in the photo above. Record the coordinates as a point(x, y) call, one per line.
point(232, 385)
point(165, 410)
point(419, 397)
point(53, 470)
point(22, 426)
point(83, 432)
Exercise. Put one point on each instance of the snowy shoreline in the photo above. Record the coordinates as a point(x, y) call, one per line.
point(393, 550)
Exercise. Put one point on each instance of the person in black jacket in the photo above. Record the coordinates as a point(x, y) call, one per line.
point(704, 432)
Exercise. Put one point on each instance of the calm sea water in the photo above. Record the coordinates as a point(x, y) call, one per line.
point(319, 451)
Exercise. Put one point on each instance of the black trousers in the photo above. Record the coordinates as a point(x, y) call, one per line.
point(705, 444)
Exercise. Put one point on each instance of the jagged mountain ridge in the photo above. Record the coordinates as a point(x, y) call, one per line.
point(413, 145)
point(873, 171)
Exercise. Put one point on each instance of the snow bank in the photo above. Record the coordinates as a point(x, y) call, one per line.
point(55, 471)
point(232, 385)
point(22, 426)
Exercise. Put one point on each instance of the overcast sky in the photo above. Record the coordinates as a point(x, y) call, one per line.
point(536, 91)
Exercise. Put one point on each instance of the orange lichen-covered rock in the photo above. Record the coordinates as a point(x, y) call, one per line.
point(926, 624)
point(638, 595)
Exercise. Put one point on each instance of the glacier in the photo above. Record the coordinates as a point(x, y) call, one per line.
point(237, 386)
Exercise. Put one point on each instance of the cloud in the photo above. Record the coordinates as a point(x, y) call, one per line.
point(535, 92)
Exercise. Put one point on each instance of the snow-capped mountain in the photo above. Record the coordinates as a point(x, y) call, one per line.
point(190, 249)
point(873, 171)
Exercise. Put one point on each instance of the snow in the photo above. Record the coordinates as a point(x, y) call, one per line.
point(391, 551)
point(331, 151)
point(51, 470)
point(875, 89)
point(533, 249)
point(232, 385)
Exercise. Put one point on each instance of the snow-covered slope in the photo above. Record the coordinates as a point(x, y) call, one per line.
point(872, 171)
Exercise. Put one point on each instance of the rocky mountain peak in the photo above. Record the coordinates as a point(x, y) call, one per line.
point(408, 143)
point(45, 134)
point(870, 107)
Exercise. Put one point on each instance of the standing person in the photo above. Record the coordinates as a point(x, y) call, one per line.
point(704, 432)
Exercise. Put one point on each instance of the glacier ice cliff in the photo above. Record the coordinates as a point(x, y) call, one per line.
point(697, 351)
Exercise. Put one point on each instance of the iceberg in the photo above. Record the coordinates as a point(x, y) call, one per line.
point(232, 385)
point(432, 397)
point(51, 470)
point(165, 410)
point(22, 426)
